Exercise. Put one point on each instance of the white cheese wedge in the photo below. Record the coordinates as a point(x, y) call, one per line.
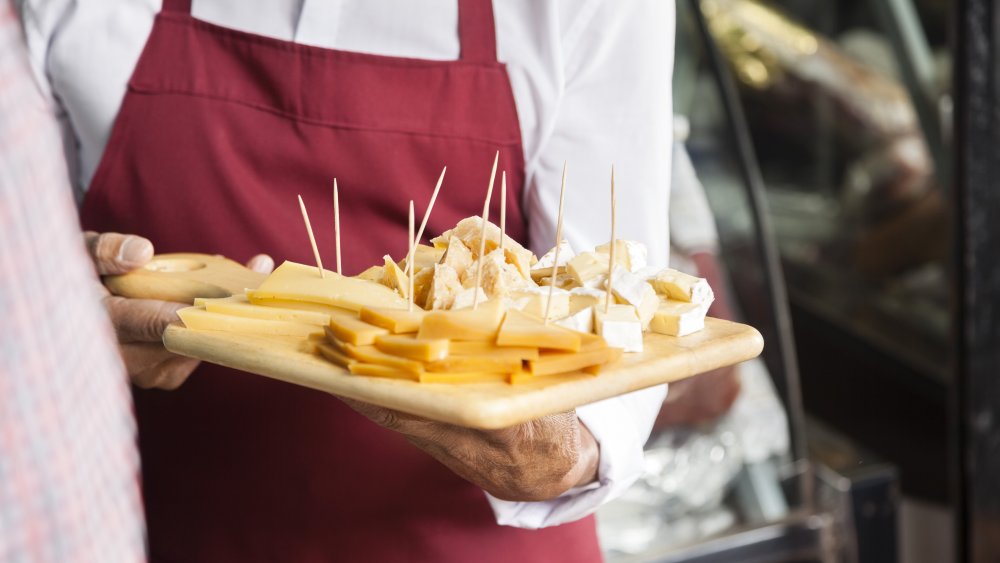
point(582, 320)
point(533, 301)
point(682, 287)
point(443, 288)
point(633, 290)
point(620, 327)
point(678, 318)
point(543, 268)
point(587, 267)
point(299, 282)
point(457, 256)
point(394, 278)
point(628, 253)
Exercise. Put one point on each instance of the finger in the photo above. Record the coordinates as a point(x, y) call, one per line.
point(404, 423)
point(142, 356)
point(115, 253)
point(261, 263)
point(167, 375)
point(141, 320)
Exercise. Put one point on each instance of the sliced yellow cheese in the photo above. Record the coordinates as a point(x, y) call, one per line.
point(372, 355)
point(397, 321)
point(491, 349)
point(199, 319)
point(240, 306)
point(298, 282)
point(562, 362)
point(333, 355)
point(353, 330)
point(406, 346)
point(521, 377)
point(482, 364)
point(468, 324)
point(677, 318)
point(377, 370)
point(460, 378)
point(683, 287)
point(519, 329)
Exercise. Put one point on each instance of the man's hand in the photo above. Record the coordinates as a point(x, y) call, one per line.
point(538, 460)
point(139, 323)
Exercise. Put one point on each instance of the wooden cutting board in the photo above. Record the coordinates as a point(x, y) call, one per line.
point(483, 405)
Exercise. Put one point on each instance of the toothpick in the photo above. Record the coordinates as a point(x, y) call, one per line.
point(614, 244)
point(336, 221)
point(555, 254)
point(427, 214)
point(503, 208)
point(482, 234)
point(409, 259)
point(312, 239)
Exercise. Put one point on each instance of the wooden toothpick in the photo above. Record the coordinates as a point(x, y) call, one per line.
point(482, 233)
point(409, 259)
point(503, 208)
point(336, 221)
point(427, 214)
point(555, 254)
point(312, 239)
point(614, 244)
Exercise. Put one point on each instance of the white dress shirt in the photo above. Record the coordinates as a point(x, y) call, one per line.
point(592, 85)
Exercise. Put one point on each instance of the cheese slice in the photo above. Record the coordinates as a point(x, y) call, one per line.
point(521, 377)
point(561, 362)
point(197, 318)
point(378, 370)
point(492, 350)
point(396, 321)
point(373, 274)
point(480, 364)
point(372, 355)
point(462, 378)
point(468, 324)
point(240, 306)
point(298, 282)
point(677, 318)
point(683, 287)
point(519, 329)
point(587, 267)
point(406, 346)
point(333, 355)
point(353, 330)
point(620, 327)
point(394, 278)
point(631, 289)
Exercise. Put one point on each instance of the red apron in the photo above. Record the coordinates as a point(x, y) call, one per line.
point(218, 132)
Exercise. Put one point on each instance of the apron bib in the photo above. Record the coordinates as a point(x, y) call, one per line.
point(218, 132)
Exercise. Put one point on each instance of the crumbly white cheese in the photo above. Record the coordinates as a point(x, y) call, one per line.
point(463, 299)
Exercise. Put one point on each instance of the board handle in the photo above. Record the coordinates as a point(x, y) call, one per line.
point(182, 277)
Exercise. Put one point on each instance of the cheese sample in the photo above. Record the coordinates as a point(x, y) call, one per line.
point(620, 327)
point(581, 321)
point(468, 324)
point(587, 267)
point(457, 256)
point(481, 364)
point(533, 300)
point(444, 287)
point(583, 297)
point(334, 355)
point(630, 254)
point(498, 277)
point(422, 285)
point(240, 306)
point(519, 329)
point(396, 321)
point(492, 350)
point(683, 287)
point(352, 330)
point(394, 278)
point(406, 346)
point(461, 378)
point(464, 299)
point(562, 362)
point(298, 282)
point(631, 289)
point(372, 355)
point(469, 230)
point(373, 274)
point(677, 318)
point(423, 257)
point(199, 319)
point(378, 370)
point(543, 268)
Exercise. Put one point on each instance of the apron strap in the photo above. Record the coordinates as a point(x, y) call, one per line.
point(177, 6)
point(477, 31)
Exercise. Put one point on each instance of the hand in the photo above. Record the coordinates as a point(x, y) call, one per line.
point(700, 399)
point(537, 460)
point(139, 323)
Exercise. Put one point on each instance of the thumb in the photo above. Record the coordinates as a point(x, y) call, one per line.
point(114, 253)
point(261, 263)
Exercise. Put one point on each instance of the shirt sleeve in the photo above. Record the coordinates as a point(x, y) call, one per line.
point(615, 108)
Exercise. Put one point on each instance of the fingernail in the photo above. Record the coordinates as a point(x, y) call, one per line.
point(135, 250)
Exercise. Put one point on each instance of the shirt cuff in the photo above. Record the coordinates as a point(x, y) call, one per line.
point(620, 426)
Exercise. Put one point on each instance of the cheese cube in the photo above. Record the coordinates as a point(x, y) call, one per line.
point(677, 318)
point(683, 287)
point(587, 266)
point(533, 300)
point(465, 298)
point(467, 324)
point(519, 329)
point(620, 327)
point(298, 282)
point(628, 253)
point(632, 290)
point(581, 321)
point(197, 318)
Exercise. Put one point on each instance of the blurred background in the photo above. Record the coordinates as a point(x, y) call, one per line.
point(835, 170)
